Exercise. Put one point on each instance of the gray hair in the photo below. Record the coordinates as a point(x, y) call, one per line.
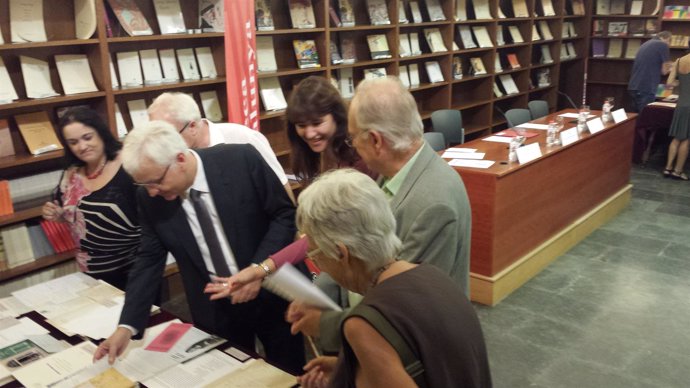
point(156, 140)
point(345, 206)
point(384, 105)
point(665, 35)
point(175, 106)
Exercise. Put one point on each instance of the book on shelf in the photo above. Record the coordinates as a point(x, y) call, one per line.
point(547, 8)
point(535, 34)
point(675, 12)
point(508, 84)
point(497, 92)
point(500, 41)
point(651, 26)
point(346, 82)
point(498, 68)
point(636, 7)
point(17, 243)
point(571, 50)
point(39, 241)
point(137, 112)
point(7, 91)
point(454, 46)
point(302, 14)
point(263, 16)
point(85, 19)
point(272, 94)
point(347, 15)
point(378, 46)
point(457, 68)
point(466, 37)
point(187, 63)
point(169, 65)
point(520, 9)
point(618, 7)
point(481, 9)
point(211, 15)
point(130, 17)
point(414, 75)
point(435, 40)
point(414, 43)
point(567, 28)
point(482, 36)
point(564, 52)
point(636, 27)
point(545, 30)
point(151, 67)
point(404, 76)
point(336, 58)
point(598, 48)
point(113, 74)
point(632, 45)
point(335, 19)
point(402, 16)
point(75, 74)
point(433, 71)
point(169, 16)
point(477, 66)
point(615, 48)
point(265, 54)
point(460, 10)
point(680, 41)
point(513, 61)
point(598, 27)
point(347, 50)
point(416, 12)
point(6, 144)
point(662, 91)
point(603, 7)
point(515, 34)
point(129, 68)
point(28, 191)
point(546, 54)
point(376, 72)
point(433, 8)
point(543, 77)
point(378, 12)
point(404, 47)
point(211, 106)
point(38, 132)
point(26, 21)
point(6, 206)
point(571, 30)
point(36, 75)
point(617, 28)
point(120, 123)
point(306, 54)
point(578, 7)
point(207, 66)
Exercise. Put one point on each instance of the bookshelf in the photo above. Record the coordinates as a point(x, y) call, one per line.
point(58, 19)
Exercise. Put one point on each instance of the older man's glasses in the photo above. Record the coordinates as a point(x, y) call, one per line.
point(185, 127)
point(156, 182)
point(349, 140)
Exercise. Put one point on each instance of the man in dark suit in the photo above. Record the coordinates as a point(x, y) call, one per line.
point(245, 205)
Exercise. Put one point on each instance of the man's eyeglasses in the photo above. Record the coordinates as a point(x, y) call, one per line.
point(349, 140)
point(157, 182)
point(185, 127)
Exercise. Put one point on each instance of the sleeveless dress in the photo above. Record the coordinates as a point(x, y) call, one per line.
point(680, 126)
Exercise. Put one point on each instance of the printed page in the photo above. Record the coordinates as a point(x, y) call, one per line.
point(36, 74)
point(75, 74)
point(26, 21)
point(290, 284)
point(199, 372)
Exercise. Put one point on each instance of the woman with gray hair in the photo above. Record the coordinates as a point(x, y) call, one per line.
point(351, 235)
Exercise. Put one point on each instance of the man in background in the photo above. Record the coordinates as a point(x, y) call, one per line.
point(180, 110)
point(651, 61)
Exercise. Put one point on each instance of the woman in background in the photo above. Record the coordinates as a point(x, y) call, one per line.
point(680, 126)
point(96, 198)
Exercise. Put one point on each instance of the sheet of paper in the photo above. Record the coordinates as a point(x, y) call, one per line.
point(667, 104)
point(198, 372)
point(14, 330)
point(85, 20)
point(595, 125)
point(137, 112)
point(26, 21)
point(533, 126)
point(56, 367)
point(528, 153)
point(75, 74)
point(187, 62)
point(292, 285)
point(129, 67)
point(207, 67)
point(619, 115)
point(48, 343)
point(55, 291)
point(255, 373)
point(463, 155)
point(498, 139)
point(151, 66)
point(11, 306)
point(460, 149)
point(572, 115)
point(7, 90)
point(569, 136)
point(169, 65)
point(211, 106)
point(36, 74)
point(471, 163)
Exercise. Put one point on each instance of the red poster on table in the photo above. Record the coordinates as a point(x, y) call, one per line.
point(169, 337)
point(240, 63)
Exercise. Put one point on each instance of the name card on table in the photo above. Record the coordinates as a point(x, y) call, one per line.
point(595, 125)
point(463, 155)
point(471, 163)
point(528, 153)
point(619, 115)
point(569, 136)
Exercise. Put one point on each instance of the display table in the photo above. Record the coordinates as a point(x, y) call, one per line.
point(652, 123)
point(525, 216)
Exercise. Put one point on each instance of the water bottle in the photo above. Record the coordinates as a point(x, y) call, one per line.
point(606, 111)
point(551, 134)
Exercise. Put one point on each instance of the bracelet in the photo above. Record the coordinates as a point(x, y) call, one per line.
point(264, 267)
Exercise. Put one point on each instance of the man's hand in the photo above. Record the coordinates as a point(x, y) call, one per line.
point(304, 319)
point(114, 346)
point(242, 286)
point(319, 371)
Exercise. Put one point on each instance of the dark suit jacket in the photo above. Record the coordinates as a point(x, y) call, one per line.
point(257, 216)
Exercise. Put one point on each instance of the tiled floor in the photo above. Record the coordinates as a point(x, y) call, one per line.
point(612, 312)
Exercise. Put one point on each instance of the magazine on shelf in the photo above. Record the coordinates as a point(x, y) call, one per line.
point(434, 40)
point(433, 8)
point(85, 19)
point(272, 94)
point(38, 132)
point(211, 17)
point(378, 46)
point(416, 12)
point(75, 73)
point(263, 16)
point(336, 58)
point(347, 50)
point(302, 14)
point(130, 17)
point(404, 76)
point(188, 65)
point(265, 54)
point(151, 66)
point(306, 54)
point(405, 49)
point(378, 12)
point(377, 72)
point(457, 68)
point(414, 75)
point(347, 15)
point(169, 15)
point(433, 71)
point(36, 75)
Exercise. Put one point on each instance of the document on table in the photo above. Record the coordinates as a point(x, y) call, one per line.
point(198, 372)
point(459, 149)
point(290, 284)
point(255, 373)
point(56, 367)
point(463, 155)
point(55, 291)
point(12, 307)
point(572, 115)
point(533, 126)
point(471, 163)
point(498, 139)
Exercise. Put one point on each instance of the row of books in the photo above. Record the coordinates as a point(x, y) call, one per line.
point(621, 7)
point(302, 13)
point(680, 41)
point(618, 28)
point(28, 191)
point(27, 24)
point(613, 48)
point(676, 12)
point(23, 243)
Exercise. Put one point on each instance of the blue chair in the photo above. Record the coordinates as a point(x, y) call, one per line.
point(436, 140)
point(449, 123)
point(538, 108)
point(517, 116)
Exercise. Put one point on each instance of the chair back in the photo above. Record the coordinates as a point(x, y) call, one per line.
point(449, 123)
point(517, 116)
point(538, 108)
point(436, 140)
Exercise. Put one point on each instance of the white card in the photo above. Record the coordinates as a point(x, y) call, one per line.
point(595, 125)
point(619, 115)
point(471, 163)
point(458, 149)
point(528, 153)
point(569, 136)
point(463, 155)
point(498, 139)
point(533, 126)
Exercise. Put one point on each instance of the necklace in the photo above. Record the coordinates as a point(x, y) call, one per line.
point(378, 272)
point(98, 171)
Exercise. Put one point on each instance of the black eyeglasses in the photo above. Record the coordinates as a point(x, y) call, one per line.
point(157, 182)
point(185, 127)
point(349, 140)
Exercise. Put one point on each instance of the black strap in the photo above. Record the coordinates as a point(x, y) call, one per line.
point(413, 365)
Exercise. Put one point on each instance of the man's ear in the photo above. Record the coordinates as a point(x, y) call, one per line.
point(377, 140)
point(343, 252)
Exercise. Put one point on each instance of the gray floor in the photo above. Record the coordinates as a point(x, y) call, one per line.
point(612, 312)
